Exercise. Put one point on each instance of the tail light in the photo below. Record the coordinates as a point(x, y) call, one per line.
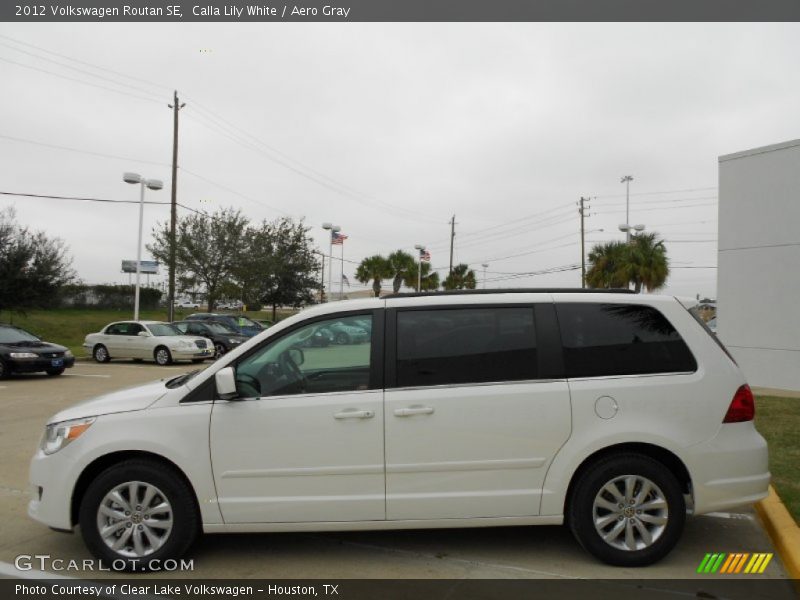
point(743, 406)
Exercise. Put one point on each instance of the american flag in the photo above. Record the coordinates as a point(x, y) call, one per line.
point(424, 255)
point(337, 239)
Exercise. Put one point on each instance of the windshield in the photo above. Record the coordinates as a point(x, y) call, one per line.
point(163, 329)
point(219, 328)
point(245, 322)
point(11, 335)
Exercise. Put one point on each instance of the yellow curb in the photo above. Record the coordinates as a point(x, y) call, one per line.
point(783, 530)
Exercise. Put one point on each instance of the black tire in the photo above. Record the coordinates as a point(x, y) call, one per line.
point(342, 338)
point(4, 370)
point(219, 350)
point(172, 488)
point(100, 354)
point(617, 471)
point(54, 372)
point(162, 356)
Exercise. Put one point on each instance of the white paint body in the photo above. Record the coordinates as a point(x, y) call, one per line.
point(181, 347)
point(436, 456)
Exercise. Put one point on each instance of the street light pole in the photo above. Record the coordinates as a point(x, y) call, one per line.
point(419, 248)
point(627, 181)
point(333, 229)
point(485, 266)
point(153, 184)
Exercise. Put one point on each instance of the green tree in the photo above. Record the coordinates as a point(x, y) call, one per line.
point(279, 265)
point(607, 263)
point(430, 280)
point(643, 262)
point(400, 263)
point(462, 277)
point(648, 265)
point(374, 268)
point(33, 267)
point(208, 249)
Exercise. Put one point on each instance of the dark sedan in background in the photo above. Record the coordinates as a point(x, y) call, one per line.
point(238, 323)
point(224, 338)
point(23, 352)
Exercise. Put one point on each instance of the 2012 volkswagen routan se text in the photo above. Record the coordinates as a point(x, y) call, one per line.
point(614, 413)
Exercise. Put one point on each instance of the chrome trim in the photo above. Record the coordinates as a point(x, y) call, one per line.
point(471, 385)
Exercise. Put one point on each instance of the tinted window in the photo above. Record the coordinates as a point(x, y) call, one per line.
point(620, 339)
point(325, 356)
point(469, 345)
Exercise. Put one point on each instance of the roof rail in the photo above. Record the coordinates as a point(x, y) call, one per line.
point(513, 291)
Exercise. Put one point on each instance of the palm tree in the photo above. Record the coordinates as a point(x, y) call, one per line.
point(649, 266)
point(430, 281)
point(607, 264)
point(462, 277)
point(400, 262)
point(375, 268)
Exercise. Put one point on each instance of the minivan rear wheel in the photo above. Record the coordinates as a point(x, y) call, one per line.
point(138, 513)
point(627, 510)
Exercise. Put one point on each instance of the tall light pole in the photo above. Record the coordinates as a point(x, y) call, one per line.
point(420, 249)
point(627, 181)
point(629, 229)
point(153, 184)
point(333, 229)
point(485, 266)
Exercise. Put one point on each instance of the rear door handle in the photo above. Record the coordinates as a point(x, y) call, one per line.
point(415, 410)
point(354, 414)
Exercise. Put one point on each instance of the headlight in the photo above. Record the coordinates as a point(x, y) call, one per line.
point(233, 341)
point(58, 435)
point(185, 344)
point(68, 354)
point(23, 355)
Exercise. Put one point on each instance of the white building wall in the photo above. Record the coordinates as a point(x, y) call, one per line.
point(758, 285)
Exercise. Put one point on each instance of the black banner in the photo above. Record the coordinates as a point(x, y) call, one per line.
point(400, 10)
point(732, 588)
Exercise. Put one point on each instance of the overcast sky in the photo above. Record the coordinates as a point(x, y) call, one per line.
point(390, 129)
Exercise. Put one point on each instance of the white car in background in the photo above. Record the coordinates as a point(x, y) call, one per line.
point(147, 340)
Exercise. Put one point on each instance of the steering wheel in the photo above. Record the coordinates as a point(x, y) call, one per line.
point(290, 367)
point(248, 386)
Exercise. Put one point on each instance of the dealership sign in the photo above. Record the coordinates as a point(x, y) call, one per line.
point(145, 266)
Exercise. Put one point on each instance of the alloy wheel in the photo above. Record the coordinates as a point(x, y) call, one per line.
point(630, 512)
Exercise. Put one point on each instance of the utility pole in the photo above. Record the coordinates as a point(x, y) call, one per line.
point(173, 217)
point(452, 238)
point(582, 211)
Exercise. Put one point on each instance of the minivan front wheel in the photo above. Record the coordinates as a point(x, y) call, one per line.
point(136, 514)
point(628, 510)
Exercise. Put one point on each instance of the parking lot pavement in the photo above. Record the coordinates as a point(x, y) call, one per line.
point(508, 552)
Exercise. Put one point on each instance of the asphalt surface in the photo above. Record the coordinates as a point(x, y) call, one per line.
point(509, 552)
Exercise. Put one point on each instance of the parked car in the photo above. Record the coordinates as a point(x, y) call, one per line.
point(23, 352)
point(613, 413)
point(223, 338)
point(346, 333)
point(186, 304)
point(238, 323)
point(146, 340)
point(235, 305)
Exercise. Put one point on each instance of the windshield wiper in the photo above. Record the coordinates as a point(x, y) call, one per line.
point(181, 379)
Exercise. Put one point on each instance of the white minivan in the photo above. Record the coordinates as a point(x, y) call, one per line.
point(615, 413)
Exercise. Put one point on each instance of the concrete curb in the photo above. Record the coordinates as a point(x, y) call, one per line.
point(783, 530)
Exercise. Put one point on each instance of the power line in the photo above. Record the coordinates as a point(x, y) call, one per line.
point(80, 151)
point(698, 189)
point(97, 85)
point(79, 198)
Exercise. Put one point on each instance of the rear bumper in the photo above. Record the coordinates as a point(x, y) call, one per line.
point(730, 470)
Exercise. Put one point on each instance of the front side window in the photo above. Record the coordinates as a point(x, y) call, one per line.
point(310, 360)
point(620, 339)
point(465, 345)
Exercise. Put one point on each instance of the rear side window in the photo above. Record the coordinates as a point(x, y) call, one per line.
point(620, 339)
point(457, 346)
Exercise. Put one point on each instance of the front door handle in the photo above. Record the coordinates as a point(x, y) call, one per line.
point(414, 410)
point(354, 414)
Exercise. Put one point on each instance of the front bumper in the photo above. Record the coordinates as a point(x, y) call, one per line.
point(730, 470)
point(192, 353)
point(52, 479)
point(36, 365)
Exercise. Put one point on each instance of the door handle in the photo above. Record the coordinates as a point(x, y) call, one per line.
point(416, 410)
point(354, 414)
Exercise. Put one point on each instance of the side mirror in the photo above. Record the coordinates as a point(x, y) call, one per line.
point(143, 334)
point(297, 356)
point(226, 383)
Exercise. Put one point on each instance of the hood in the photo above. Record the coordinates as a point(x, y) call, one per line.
point(127, 400)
